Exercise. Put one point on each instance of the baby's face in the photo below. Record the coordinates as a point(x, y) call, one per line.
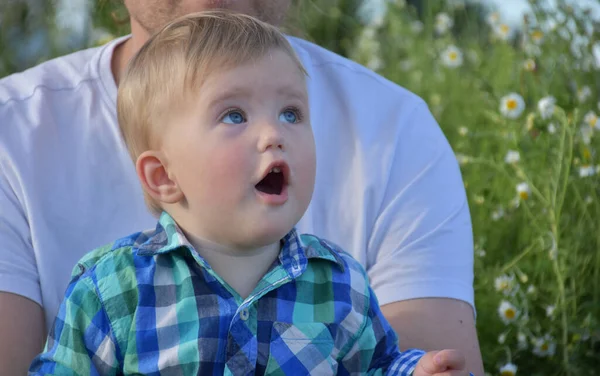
point(244, 153)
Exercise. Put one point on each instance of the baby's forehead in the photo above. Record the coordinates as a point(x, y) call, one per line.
point(253, 77)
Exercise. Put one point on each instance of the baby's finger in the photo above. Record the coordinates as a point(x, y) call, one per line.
point(451, 359)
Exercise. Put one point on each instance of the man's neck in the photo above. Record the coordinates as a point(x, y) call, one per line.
point(126, 50)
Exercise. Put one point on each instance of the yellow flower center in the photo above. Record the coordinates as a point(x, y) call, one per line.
point(512, 104)
point(507, 373)
point(504, 285)
point(524, 195)
point(587, 154)
point(544, 346)
point(504, 28)
point(510, 313)
point(453, 55)
point(592, 120)
point(537, 35)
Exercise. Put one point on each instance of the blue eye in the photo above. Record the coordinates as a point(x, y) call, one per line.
point(234, 117)
point(289, 116)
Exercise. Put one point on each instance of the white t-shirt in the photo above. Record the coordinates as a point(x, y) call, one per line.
point(388, 187)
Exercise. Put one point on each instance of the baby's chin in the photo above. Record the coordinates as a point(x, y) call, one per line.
point(264, 236)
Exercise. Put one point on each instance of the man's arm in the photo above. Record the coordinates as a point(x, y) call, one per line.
point(22, 321)
point(434, 324)
point(22, 327)
point(422, 243)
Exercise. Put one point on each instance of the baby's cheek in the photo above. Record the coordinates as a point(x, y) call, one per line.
point(231, 170)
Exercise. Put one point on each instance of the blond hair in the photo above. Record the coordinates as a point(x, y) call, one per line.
point(173, 63)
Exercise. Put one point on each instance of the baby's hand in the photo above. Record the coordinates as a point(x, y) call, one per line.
point(441, 363)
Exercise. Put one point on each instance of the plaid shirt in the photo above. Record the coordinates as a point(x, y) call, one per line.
point(150, 304)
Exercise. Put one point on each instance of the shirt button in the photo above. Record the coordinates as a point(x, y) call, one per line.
point(244, 314)
point(295, 265)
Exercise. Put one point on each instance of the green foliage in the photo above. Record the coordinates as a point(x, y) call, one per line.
point(536, 219)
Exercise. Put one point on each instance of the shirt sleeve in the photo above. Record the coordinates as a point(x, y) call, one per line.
point(375, 350)
point(422, 239)
point(81, 341)
point(18, 268)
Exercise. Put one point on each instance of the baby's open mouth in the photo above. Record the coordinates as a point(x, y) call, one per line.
point(273, 183)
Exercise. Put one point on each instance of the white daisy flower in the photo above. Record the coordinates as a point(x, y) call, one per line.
point(550, 310)
point(508, 312)
point(493, 18)
point(462, 159)
point(508, 369)
point(512, 156)
point(544, 346)
point(521, 341)
point(416, 27)
point(505, 284)
point(584, 93)
point(443, 23)
point(529, 65)
point(586, 134)
point(530, 121)
point(502, 338)
point(531, 289)
point(586, 170)
point(480, 252)
point(537, 37)
point(515, 202)
point(546, 106)
point(512, 105)
point(592, 120)
point(524, 278)
point(452, 57)
point(550, 25)
point(532, 49)
point(463, 131)
point(503, 31)
point(523, 191)
point(551, 128)
point(497, 214)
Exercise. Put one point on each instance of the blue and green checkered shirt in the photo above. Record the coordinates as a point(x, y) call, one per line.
point(150, 304)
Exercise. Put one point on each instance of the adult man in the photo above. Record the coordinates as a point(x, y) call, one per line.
point(388, 188)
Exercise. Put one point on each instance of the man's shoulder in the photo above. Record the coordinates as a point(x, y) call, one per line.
point(345, 73)
point(59, 74)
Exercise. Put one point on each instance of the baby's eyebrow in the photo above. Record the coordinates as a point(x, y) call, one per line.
point(292, 92)
point(230, 93)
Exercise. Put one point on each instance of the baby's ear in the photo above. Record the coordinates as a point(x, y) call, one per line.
point(155, 179)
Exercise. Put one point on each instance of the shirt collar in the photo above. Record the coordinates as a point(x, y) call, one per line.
point(295, 253)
